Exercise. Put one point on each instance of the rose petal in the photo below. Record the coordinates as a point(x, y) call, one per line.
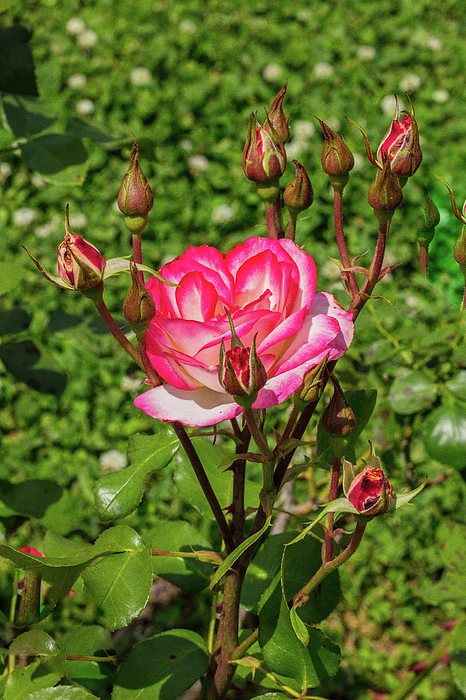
point(197, 409)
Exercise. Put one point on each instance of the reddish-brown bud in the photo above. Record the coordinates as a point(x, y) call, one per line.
point(385, 193)
point(80, 264)
point(135, 199)
point(138, 306)
point(264, 156)
point(298, 195)
point(277, 119)
point(339, 418)
point(241, 372)
point(337, 159)
point(401, 144)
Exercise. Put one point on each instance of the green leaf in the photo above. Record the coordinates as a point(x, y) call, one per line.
point(300, 564)
point(16, 62)
point(299, 627)
point(120, 583)
point(271, 696)
point(362, 401)
point(91, 640)
point(61, 158)
point(36, 676)
point(444, 434)
point(34, 643)
point(236, 553)
point(27, 364)
point(14, 320)
point(457, 386)
point(190, 575)
point(284, 653)
point(458, 656)
point(11, 275)
point(162, 667)
point(78, 128)
point(119, 493)
point(28, 117)
point(211, 457)
point(412, 392)
point(62, 692)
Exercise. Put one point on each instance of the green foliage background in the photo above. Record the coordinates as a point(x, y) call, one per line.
point(210, 66)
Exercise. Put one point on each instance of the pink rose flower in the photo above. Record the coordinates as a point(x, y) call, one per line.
point(268, 288)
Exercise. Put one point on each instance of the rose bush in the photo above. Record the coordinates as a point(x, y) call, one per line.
point(268, 288)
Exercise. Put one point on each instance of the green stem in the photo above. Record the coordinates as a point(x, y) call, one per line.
point(29, 607)
point(341, 242)
point(244, 646)
point(413, 679)
point(374, 272)
point(117, 333)
point(205, 485)
point(291, 233)
point(327, 567)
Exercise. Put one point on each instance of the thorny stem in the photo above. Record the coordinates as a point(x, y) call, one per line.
point(291, 233)
point(424, 259)
point(374, 272)
point(117, 333)
point(327, 567)
point(268, 491)
point(152, 375)
point(331, 516)
point(274, 220)
point(413, 679)
point(29, 607)
point(205, 485)
point(290, 425)
point(341, 242)
point(463, 303)
point(239, 480)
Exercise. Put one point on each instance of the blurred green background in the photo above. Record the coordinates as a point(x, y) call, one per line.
point(183, 76)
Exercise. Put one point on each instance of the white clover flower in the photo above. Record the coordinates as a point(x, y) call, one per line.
point(197, 165)
point(304, 129)
point(366, 53)
point(75, 25)
point(222, 214)
point(5, 169)
point(271, 72)
point(388, 105)
point(186, 145)
point(434, 43)
point(130, 383)
point(77, 81)
point(38, 181)
point(441, 96)
point(24, 217)
point(304, 15)
point(295, 147)
point(78, 220)
point(323, 70)
point(187, 27)
point(358, 161)
point(333, 123)
point(87, 39)
point(112, 461)
point(410, 82)
point(141, 76)
point(44, 230)
point(85, 107)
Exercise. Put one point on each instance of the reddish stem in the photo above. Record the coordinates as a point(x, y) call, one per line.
point(341, 242)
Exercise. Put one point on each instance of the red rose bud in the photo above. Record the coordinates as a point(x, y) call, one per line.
point(135, 199)
point(79, 263)
point(370, 493)
point(337, 159)
point(277, 119)
point(264, 156)
point(401, 145)
point(138, 306)
point(298, 195)
point(385, 194)
point(241, 372)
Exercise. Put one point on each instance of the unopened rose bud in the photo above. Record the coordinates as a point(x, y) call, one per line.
point(401, 144)
point(264, 159)
point(337, 159)
point(339, 418)
point(138, 306)
point(298, 195)
point(241, 372)
point(370, 492)
point(312, 386)
point(80, 264)
point(385, 193)
point(135, 199)
point(277, 118)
